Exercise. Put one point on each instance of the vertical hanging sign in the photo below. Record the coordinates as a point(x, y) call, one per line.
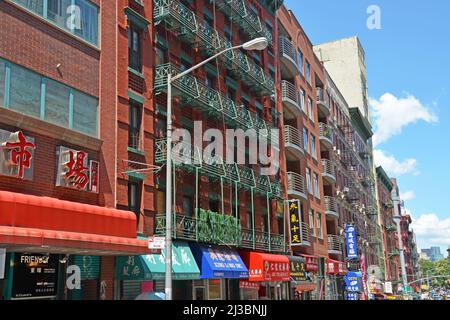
point(295, 218)
point(350, 239)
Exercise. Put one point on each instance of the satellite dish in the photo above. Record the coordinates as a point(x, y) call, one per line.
point(374, 272)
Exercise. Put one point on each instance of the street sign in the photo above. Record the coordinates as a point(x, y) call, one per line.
point(157, 243)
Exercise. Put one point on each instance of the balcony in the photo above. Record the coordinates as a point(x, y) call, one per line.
point(326, 136)
point(323, 106)
point(291, 100)
point(331, 208)
point(305, 236)
point(192, 30)
point(296, 185)
point(265, 241)
point(328, 175)
point(245, 19)
point(288, 58)
point(293, 143)
point(334, 245)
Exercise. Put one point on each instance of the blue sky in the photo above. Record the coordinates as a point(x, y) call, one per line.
point(408, 70)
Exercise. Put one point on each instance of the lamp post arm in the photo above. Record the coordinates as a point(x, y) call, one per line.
point(182, 74)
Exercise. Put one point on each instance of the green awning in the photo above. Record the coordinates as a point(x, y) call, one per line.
point(153, 266)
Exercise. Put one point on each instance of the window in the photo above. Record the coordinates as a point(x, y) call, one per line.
point(210, 80)
point(79, 17)
point(308, 72)
point(161, 127)
point(134, 129)
point(264, 220)
point(270, 31)
point(161, 55)
point(308, 180)
point(300, 61)
point(85, 113)
point(214, 205)
point(134, 48)
point(134, 198)
point(25, 91)
point(185, 64)
point(311, 222)
point(305, 139)
point(319, 225)
point(313, 146)
point(49, 100)
point(316, 186)
point(280, 223)
point(302, 100)
point(2, 82)
point(188, 206)
point(310, 109)
point(56, 103)
point(249, 218)
point(160, 202)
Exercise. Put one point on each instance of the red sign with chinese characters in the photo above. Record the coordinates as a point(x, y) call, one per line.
point(336, 267)
point(94, 170)
point(77, 173)
point(21, 155)
point(312, 263)
point(267, 267)
point(249, 285)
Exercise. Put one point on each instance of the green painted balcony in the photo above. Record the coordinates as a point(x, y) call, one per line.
point(334, 244)
point(247, 20)
point(323, 105)
point(288, 58)
point(328, 175)
point(296, 185)
point(325, 136)
point(192, 30)
point(290, 96)
point(331, 208)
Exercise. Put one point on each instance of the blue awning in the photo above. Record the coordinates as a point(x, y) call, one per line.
point(217, 262)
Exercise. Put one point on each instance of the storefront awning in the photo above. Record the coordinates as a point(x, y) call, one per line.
point(335, 267)
point(41, 224)
point(153, 266)
point(217, 263)
point(312, 262)
point(266, 267)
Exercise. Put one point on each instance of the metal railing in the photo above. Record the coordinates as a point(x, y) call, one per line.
point(287, 49)
point(306, 240)
point(322, 98)
point(296, 183)
point(325, 132)
point(290, 93)
point(293, 137)
point(331, 205)
point(328, 168)
point(262, 240)
point(334, 244)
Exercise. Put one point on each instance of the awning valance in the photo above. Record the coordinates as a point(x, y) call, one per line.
point(266, 267)
point(216, 262)
point(153, 266)
point(42, 224)
point(335, 267)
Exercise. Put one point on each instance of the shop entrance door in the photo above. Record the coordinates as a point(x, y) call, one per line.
point(199, 290)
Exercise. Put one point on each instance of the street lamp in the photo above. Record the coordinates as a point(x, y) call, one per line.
point(255, 44)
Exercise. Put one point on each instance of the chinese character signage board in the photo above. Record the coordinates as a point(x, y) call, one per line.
point(295, 222)
point(350, 239)
point(352, 281)
point(34, 276)
point(352, 296)
point(249, 285)
point(16, 155)
point(75, 171)
point(298, 269)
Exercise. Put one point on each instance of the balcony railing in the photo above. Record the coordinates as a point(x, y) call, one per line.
point(322, 102)
point(306, 241)
point(192, 30)
point(326, 135)
point(259, 240)
point(293, 140)
point(296, 185)
point(334, 244)
point(328, 171)
point(288, 57)
point(291, 98)
point(331, 208)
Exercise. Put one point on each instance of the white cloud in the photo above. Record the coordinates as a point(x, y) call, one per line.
point(431, 230)
point(408, 195)
point(393, 166)
point(391, 114)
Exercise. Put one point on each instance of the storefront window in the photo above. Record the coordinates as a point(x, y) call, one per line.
point(214, 289)
point(57, 98)
point(2, 83)
point(85, 113)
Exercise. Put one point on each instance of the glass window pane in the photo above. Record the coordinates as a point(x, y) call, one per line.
point(36, 6)
point(2, 83)
point(89, 21)
point(57, 12)
point(25, 91)
point(57, 99)
point(85, 113)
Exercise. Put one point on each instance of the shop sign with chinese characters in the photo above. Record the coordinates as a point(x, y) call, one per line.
point(16, 155)
point(295, 222)
point(350, 238)
point(76, 171)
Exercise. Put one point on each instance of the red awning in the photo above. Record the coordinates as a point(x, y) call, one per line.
point(266, 267)
point(42, 224)
point(335, 267)
point(312, 262)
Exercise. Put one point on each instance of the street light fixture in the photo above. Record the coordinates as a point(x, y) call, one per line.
point(255, 44)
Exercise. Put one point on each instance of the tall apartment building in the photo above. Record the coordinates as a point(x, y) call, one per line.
point(57, 178)
point(389, 229)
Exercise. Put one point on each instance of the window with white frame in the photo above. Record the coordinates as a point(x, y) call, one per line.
point(319, 225)
point(311, 222)
point(308, 180)
point(310, 109)
point(305, 139)
point(302, 100)
point(316, 186)
point(312, 150)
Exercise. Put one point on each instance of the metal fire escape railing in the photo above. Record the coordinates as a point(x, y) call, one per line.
point(190, 29)
point(334, 244)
